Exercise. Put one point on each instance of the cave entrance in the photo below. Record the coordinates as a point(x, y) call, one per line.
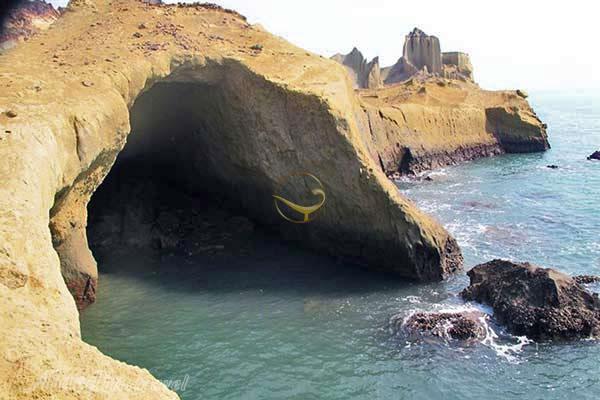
point(186, 183)
point(165, 190)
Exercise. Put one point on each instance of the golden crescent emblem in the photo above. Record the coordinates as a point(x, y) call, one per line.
point(306, 211)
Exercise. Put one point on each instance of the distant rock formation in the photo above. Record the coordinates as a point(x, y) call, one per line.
point(457, 65)
point(421, 57)
point(594, 156)
point(24, 21)
point(366, 75)
point(423, 51)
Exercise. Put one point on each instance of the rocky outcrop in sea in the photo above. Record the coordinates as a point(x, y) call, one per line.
point(594, 156)
point(541, 303)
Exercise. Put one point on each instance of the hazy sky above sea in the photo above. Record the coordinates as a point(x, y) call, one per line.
point(529, 44)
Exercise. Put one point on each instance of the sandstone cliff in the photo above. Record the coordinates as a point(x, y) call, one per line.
point(432, 122)
point(26, 20)
point(364, 74)
point(265, 109)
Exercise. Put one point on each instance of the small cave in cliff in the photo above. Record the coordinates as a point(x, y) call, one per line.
point(176, 187)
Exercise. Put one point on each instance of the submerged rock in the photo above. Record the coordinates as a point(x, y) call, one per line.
point(541, 303)
point(463, 325)
point(594, 156)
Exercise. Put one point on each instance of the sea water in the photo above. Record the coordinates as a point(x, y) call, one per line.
point(284, 324)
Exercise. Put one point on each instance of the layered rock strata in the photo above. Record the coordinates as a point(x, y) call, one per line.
point(423, 124)
point(246, 109)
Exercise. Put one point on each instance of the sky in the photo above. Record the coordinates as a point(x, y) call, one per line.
point(527, 44)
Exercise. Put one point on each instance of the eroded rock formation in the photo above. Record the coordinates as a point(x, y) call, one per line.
point(247, 108)
point(430, 114)
point(26, 20)
point(541, 303)
point(457, 65)
point(365, 74)
point(422, 57)
point(423, 51)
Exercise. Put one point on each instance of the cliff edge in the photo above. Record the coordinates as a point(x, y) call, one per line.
point(426, 111)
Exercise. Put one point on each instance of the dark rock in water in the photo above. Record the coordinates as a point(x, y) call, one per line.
point(445, 325)
point(594, 156)
point(541, 303)
point(428, 178)
point(552, 166)
point(585, 279)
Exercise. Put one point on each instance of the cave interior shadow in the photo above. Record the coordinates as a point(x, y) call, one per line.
point(164, 176)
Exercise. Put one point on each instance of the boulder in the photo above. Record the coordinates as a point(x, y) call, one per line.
point(463, 325)
point(541, 303)
point(522, 93)
point(594, 156)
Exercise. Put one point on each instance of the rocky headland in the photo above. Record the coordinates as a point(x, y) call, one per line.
point(211, 105)
point(541, 303)
point(426, 111)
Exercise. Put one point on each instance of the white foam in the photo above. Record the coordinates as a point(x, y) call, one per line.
point(507, 346)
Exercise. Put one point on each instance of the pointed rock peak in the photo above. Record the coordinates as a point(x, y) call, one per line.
point(375, 60)
point(417, 32)
point(355, 51)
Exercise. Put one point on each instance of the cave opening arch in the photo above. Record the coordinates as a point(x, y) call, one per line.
point(219, 136)
point(219, 125)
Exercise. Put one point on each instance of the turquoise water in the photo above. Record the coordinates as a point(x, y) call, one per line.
point(281, 323)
